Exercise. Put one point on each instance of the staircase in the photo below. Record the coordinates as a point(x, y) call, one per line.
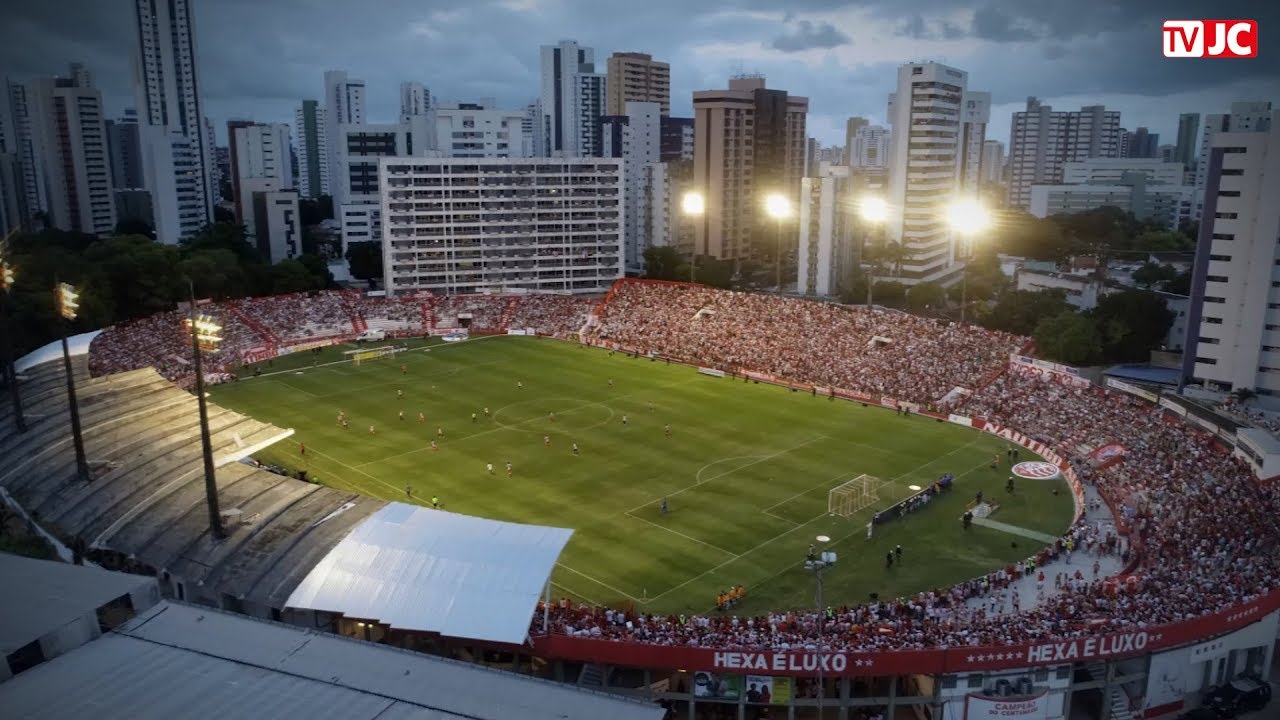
point(350, 303)
point(593, 676)
point(428, 316)
point(1118, 701)
point(261, 330)
point(508, 312)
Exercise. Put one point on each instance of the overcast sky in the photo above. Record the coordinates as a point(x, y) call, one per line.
point(258, 58)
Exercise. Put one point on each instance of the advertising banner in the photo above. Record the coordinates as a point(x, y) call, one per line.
point(711, 371)
point(1132, 390)
point(768, 690)
point(979, 707)
point(715, 685)
point(1108, 455)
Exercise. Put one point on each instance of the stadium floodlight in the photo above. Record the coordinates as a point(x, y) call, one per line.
point(693, 204)
point(205, 333)
point(873, 209)
point(777, 205)
point(7, 276)
point(816, 566)
point(967, 217)
point(67, 300)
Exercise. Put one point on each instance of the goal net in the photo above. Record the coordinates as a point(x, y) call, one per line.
point(362, 356)
point(850, 497)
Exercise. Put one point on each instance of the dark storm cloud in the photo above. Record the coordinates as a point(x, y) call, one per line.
point(258, 59)
point(806, 35)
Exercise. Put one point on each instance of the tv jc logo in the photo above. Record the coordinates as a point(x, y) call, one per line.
point(1211, 38)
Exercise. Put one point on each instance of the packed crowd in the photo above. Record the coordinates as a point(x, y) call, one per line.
point(1202, 539)
point(875, 352)
point(160, 340)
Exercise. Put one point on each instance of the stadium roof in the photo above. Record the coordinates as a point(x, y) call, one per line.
point(1144, 373)
point(177, 660)
point(77, 345)
point(415, 568)
point(39, 597)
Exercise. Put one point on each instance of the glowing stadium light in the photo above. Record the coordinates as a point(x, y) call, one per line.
point(692, 203)
point(873, 209)
point(7, 276)
point(777, 205)
point(207, 332)
point(968, 216)
point(68, 301)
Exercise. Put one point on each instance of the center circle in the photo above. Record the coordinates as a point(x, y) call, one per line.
point(552, 414)
point(1037, 470)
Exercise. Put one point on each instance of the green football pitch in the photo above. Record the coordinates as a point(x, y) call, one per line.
point(745, 471)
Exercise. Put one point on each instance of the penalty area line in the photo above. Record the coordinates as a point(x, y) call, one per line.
point(601, 583)
point(677, 532)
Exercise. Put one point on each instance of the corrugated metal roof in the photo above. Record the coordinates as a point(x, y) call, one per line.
point(416, 568)
point(76, 345)
point(179, 660)
point(37, 596)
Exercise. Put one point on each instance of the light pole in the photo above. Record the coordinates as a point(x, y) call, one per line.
point(968, 217)
point(205, 335)
point(816, 563)
point(68, 301)
point(874, 211)
point(693, 205)
point(7, 277)
point(779, 208)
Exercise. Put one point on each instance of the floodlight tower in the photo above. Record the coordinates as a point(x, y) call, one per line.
point(816, 564)
point(7, 277)
point(967, 217)
point(693, 205)
point(205, 335)
point(68, 302)
point(779, 208)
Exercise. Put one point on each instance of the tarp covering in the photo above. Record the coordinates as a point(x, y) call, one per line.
point(415, 568)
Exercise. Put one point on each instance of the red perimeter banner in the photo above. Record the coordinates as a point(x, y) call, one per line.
point(1102, 646)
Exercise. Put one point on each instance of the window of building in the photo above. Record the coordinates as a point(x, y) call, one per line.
point(1206, 361)
point(1228, 193)
point(1209, 299)
point(1220, 258)
point(1225, 216)
point(1224, 236)
point(1210, 340)
point(1234, 150)
point(1213, 320)
point(1232, 171)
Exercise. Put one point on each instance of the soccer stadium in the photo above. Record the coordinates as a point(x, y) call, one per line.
point(699, 502)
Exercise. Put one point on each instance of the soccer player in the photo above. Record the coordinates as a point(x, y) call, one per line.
point(399, 394)
point(508, 469)
point(664, 506)
point(404, 369)
point(546, 441)
point(610, 382)
point(408, 490)
point(302, 448)
point(421, 417)
point(490, 467)
point(486, 411)
point(897, 551)
point(551, 416)
point(434, 447)
point(401, 416)
point(624, 419)
point(650, 406)
point(888, 559)
point(575, 448)
point(440, 432)
point(995, 461)
point(519, 385)
point(342, 417)
point(667, 429)
point(473, 417)
point(1008, 486)
point(435, 502)
point(372, 431)
point(346, 425)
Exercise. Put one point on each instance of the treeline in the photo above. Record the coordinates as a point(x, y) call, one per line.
point(131, 276)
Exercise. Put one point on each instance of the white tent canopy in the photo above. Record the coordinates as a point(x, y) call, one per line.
point(415, 568)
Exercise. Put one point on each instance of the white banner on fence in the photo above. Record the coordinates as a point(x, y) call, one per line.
point(711, 371)
point(1132, 390)
point(979, 707)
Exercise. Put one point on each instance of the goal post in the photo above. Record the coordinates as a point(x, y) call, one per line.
point(361, 356)
point(848, 498)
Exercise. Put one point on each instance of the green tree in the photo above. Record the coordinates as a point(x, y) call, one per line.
point(1150, 274)
point(663, 263)
point(134, 226)
point(222, 216)
point(313, 211)
point(1024, 235)
point(1020, 311)
point(216, 273)
point(366, 260)
point(318, 268)
point(890, 293)
point(1068, 337)
point(1163, 241)
point(290, 276)
point(139, 273)
point(926, 296)
point(1180, 284)
point(1132, 324)
point(714, 272)
point(225, 236)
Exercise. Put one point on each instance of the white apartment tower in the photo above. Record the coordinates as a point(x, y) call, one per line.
point(177, 151)
point(312, 142)
point(71, 140)
point(869, 147)
point(1233, 320)
point(1042, 139)
point(472, 130)
point(749, 141)
point(572, 101)
point(636, 138)
point(462, 226)
point(931, 164)
point(260, 162)
point(357, 200)
point(414, 100)
point(343, 105)
point(992, 162)
point(1244, 117)
point(825, 230)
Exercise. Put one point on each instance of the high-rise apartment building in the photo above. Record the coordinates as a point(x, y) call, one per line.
point(343, 105)
point(277, 225)
point(826, 230)
point(992, 162)
point(30, 194)
point(70, 134)
point(749, 142)
point(1042, 139)
point(1124, 140)
point(935, 160)
point(177, 149)
point(572, 101)
point(357, 200)
point(868, 147)
point(677, 138)
point(312, 142)
point(637, 77)
point(636, 138)
point(1144, 144)
point(1233, 319)
point(1244, 117)
point(414, 100)
point(851, 127)
point(472, 130)
point(1185, 151)
point(125, 150)
point(260, 162)
point(458, 226)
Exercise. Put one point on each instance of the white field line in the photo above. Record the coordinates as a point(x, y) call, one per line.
point(598, 582)
point(358, 470)
point(677, 532)
point(576, 594)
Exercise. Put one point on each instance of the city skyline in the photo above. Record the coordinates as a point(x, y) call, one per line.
point(843, 56)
